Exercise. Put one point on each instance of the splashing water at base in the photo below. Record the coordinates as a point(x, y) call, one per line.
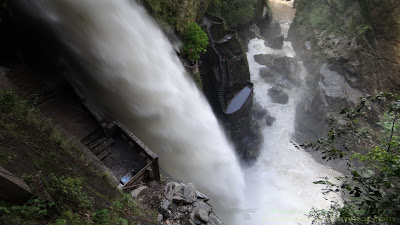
point(136, 77)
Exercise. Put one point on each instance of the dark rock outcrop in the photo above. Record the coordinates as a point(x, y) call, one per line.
point(268, 75)
point(278, 66)
point(277, 42)
point(269, 119)
point(264, 59)
point(277, 95)
point(270, 30)
point(258, 111)
point(260, 114)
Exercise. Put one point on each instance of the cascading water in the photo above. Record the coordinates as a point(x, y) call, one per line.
point(279, 187)
point(140, 81)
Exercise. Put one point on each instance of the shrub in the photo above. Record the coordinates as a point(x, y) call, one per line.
point(195, 41)
point(69, 190)
point(197, 80)
point(369, 142)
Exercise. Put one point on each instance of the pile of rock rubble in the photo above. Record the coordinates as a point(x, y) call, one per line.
point(183, 204)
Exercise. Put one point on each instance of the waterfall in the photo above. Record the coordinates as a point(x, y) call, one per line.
point(134, 76)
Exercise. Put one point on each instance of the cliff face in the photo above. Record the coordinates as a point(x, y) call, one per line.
point(350, 49)
point(358, 39)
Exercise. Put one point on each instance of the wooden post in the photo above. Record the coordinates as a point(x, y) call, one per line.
point(12, 188)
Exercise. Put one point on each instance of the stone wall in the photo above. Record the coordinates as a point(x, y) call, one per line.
point(242, 131)
point(238, 67)
point(211, 79)
point(228, 50)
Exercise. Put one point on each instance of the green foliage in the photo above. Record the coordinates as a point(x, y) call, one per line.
point(105, 217)
point(195, 41)
point(68, 189)
point(197, 80)
point(320, 17)
point(34, 209)
point(235, 12)
point(68, 217)
point(369, 142)
point(177, 14)
point(11, 103)
point(333, 16)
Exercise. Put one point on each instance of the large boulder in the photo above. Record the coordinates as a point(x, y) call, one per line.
point(269, 119)
point(277, 95)
point(282, 64)
point(268, 75)
point(172, 189)
point(258, 111)
point(277, 42)
point(273, 29)
point(190, 193)
point(276, 63)
point(264, 59)
point(255, 32)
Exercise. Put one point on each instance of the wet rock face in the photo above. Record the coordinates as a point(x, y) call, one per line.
point(269, 119)
point(277, 42)
point(364, 52)
point(346, 64)
point(268, 75)
point(183, 204)
point(278, 68)
point(264, 59)
point(277, 95)
point(261, 114)
point(334, 85)
point(271, 30)
point(254, 32)
point(258, 111)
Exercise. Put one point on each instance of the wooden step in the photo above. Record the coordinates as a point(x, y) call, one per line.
point(96, 142)
point(104, 153)
point(102, 146)
point(92, 136)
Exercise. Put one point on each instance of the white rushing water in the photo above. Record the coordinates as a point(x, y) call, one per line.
point(279, 187)
point(141, 82)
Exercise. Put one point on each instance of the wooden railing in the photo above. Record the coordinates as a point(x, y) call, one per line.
point(116, 128)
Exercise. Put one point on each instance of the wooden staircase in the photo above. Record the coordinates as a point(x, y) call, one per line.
point(98, 143)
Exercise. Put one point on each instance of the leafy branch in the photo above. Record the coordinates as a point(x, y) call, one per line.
point(369, 142)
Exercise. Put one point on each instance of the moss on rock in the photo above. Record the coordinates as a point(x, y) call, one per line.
point(177, 13)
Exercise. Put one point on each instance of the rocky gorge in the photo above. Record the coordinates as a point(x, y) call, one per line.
point(354, 56)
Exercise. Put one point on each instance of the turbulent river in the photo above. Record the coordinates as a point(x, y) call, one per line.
point(279, 187)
